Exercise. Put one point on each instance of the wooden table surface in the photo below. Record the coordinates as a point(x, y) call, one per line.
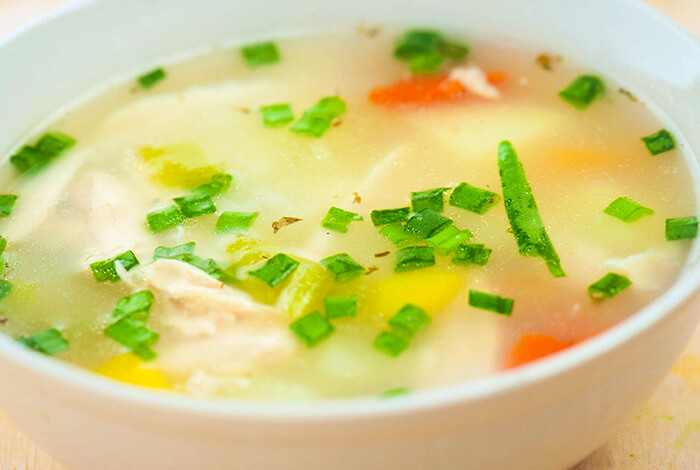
point(664, 435)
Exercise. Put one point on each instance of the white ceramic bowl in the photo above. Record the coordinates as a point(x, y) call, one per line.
point(548, 415)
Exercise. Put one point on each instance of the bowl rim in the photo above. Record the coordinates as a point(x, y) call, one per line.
point(474, 390)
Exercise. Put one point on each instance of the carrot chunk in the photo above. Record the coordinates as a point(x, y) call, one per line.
point(533, 347)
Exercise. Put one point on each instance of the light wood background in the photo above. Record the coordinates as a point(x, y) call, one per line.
point(664, 435)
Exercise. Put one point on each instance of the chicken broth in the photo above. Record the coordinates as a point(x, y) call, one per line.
point(296, 260)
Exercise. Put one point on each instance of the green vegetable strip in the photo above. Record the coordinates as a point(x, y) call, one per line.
point(7, 202)
point(583, 91)
point(389, 216)
point(681, 228)
point(397, 235)
point(275, 270)
point(608, 286)
point(490, 302)
point(5, 288)
point(163, 219)
point(425, 50)
point(414, 257)
point(135, 336)
point(426, 64)
point(448, 239)
point(429, 199)
point(106, 270)
point(341, 307)
point(163, 252)
point(49, 146)
point(48, 342)
point(395, 392)
point(343, 267)
point(312, 328)
point(195, 205)
point(472, 254)
point(276, 115)
point(318, 119)
point(409, 320)
point(235, 221)
point(3, 244)
point(522, 211)
point(261, 53)
point(659, 142)
point(426, 223)
point(338, 219)
point(391, 343)
point(471, 198)
point(219, 184)
point(149, 79)
point(627, 210)
point(136, 306)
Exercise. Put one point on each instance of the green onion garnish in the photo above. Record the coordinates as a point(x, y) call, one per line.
point(276, 115)
point(471, 198)
point(7, 202)
point(608, 286)
point(472, 254)
point(582, 91)
point(525, 220)
point(106, 270)
point(681, 228)
point(49, 146)
point(28, 157)
point(391, 343)
point(490, 302)
point(409, 320)
point(426, 223)
point(414, 257)
point(396, 234)
point(135, 336)
point(425, 50)
point(261, 53)
point(218, 185)
point(235, 221)
point(317, 119)
point(449, 238)
point(416, 42)
point(147, 80)
point(163, 252)
point(163, 219)
point(5, 288)
point(275, 270)
point(136, 306)
point(195, 205)
point(341, 307)
point(395, 392)
point(452, 50)
point(659, 142)
point(389, 216)
point(312, 328)
point(426, 64)
point(3, 244)
point(343, 267)
point(338, 219)
point(208, 265)
point(627, 210)
point(429, 199)
point(48, 342)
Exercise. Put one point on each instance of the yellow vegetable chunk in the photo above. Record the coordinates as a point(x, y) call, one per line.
point(182, 165)
point(127, 368)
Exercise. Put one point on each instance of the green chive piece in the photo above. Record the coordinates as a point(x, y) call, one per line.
point(3, 244)
point(452, 50)
point(426, 223)
point(106, 270)
point(136, 306)
point(27, 158)
point(627, 210)
point(312, 328)
point(426, 64)
point(471, 198)
point(608, 286)
point(341, 307)
point(396, 234)
point(163, 252)
point(276, 115)
point(391, 343)
point(422, 42)
point(395, 392)
point(149, 79)
point(681, 228)
point(318, 119)
point(414, 257)
point(275, 270)
point(521, 208)
point(218, 185)
point(195, 205)
point(135, 336)
point(409, 320)
point(659, 142)
point(583, 91)
point(338, 219)
point(163, 219)
point(472, 254)
point(235, 221)
point(429, 199)
point(389, 216)
point(490, 302)
point(311, 126)
point(5, 288)
point(208, 265)
point(7, 202)
point(448, 239)
point(48, 342)
point(343, 267)
point(261, 53)
point(54, 143)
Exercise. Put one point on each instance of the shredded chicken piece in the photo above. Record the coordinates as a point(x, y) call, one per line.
point(475, 81)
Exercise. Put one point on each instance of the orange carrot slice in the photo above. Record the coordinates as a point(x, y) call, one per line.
point(533, 347)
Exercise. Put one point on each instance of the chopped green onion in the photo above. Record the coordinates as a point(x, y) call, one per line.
point(135, 336)
point(54, 143)
point(472, 254)
point(396, 234)
point(163, 252)
point(659, 142)
point(391, 343)
point(582, 91)
point(468, 197)
point(106, 270)
point(414, 257)
point(163, 219)
point(276, 115)
point(409, 320)
point(521, 208)
point(421, 43)
point(208, 265)
point(608, 286)
point(627, 210)
point(490, 302)
point(452, 50)
point(28, 157)
point(136, 306)
point(681, 228)
point(343, 267)
point(261, 53)
point(195, 205)
point(275, 270)
point(235, 221)
point(338, 219)
point(329, 107)
point(426, 223)
point(147, 80)
point(5, 288)
point(429, 199)
point(312, 328)
point(218, 185)
point(311, 126)
point(426, 64)
point(317, 119)
point(7, 202)
point(48, 342)
point(3, 244)
point(395, 392)
point(389, 216)
point(341, 307)
point(449, 238)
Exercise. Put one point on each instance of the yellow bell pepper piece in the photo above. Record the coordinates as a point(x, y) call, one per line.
point(127, 368)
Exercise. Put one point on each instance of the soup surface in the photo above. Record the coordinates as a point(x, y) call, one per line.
point(464, 279)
